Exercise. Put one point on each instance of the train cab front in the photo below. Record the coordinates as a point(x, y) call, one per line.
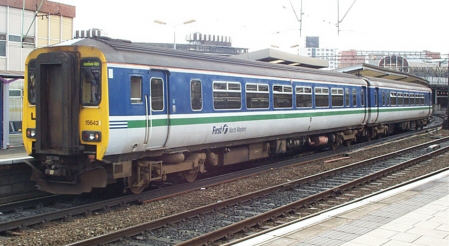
point(65, 118)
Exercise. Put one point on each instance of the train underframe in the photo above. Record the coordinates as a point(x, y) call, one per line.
point(75, 175)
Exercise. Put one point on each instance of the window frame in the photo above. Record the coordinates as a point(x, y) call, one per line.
point(32, 71)
point(225, 90)
point(100, 87)
point(282, 93)
point(303, 93)
point(362, 97)
point(141, 89)
point(347, 102)
point(321, 94)
point(163, 95)
point(354, 98)
point(342, 97)
point(201, 93)
point(258, 91)
point(393, 95)
point(376, 99)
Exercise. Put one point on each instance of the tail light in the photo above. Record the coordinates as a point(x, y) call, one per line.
point(91, 136)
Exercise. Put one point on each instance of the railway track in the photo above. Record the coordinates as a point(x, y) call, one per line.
point(302, 197)
point(40, 210)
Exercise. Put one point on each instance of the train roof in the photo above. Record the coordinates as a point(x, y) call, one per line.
point(125, 52)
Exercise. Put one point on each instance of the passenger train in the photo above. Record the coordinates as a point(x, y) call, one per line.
point(100, 110)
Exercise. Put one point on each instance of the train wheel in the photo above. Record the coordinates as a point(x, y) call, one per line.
point(338, 141)
point(137, 189)
point(135, 184)
point(190, 176)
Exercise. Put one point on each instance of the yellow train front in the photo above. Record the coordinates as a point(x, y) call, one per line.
point(65, 117)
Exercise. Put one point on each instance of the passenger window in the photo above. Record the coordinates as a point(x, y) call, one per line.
point(375, 98)
point(362, 97)
point(90, 82)
point(303, 97)
point(337, 97)
point(227, 95)
point(257, 96)
point(196, 97)
point(354, 97)
point(400, 99)
point(393, 98)
point(282, 96)
point(347, 98)
point(157, 94)
point(321, 97)
point(136, 89)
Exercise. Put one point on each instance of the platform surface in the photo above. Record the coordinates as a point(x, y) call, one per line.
point(416, 214)
point(15, 151)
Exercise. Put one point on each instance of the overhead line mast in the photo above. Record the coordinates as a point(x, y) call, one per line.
point(339, 21)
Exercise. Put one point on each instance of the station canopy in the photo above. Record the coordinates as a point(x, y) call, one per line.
point(367, 70)
point(10, 76)
point(279, 57)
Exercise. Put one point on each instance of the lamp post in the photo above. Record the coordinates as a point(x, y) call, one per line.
point(174, 28)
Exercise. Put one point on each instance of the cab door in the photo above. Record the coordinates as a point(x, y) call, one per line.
point(156, 110)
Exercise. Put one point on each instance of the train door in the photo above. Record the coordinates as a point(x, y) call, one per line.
point(156, 110)
point(363, 103)
point(375, 108)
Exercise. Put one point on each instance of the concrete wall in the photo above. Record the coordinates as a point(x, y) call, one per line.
point(53, 30)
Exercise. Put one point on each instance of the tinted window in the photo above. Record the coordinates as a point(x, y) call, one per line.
point(362, 97)
point(227, 95)
point(347, 97)
point(136, 89)
point(157, 94)
point(303, 97)
point(32, 82)
point(282, 96)
point(321, 97)
point(257, 96)
point(375, 98)
point(393, 99)
point(337, 97)
point(196, 97)
point(15, 93)
point(2, 48)
point(90, 82)
point(354, 97)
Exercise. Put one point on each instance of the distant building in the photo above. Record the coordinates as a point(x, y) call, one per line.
point(44, 23)
point(425, 64)
point(206, 44)
point(312, 49)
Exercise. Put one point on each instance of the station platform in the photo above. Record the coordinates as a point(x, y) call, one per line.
point(15, 152)
point(415, 214)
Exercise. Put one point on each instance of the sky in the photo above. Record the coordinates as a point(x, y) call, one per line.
point(397, 25)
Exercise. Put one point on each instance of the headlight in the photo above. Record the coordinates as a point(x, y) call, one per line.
point(91, 136)
point(31, 133)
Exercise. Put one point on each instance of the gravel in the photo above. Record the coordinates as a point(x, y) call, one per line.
point(58, 233)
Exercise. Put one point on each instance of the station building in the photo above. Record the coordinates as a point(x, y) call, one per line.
point(24, 26)
point(430, 66)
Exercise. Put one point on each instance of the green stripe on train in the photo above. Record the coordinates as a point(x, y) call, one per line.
point(239, 118)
